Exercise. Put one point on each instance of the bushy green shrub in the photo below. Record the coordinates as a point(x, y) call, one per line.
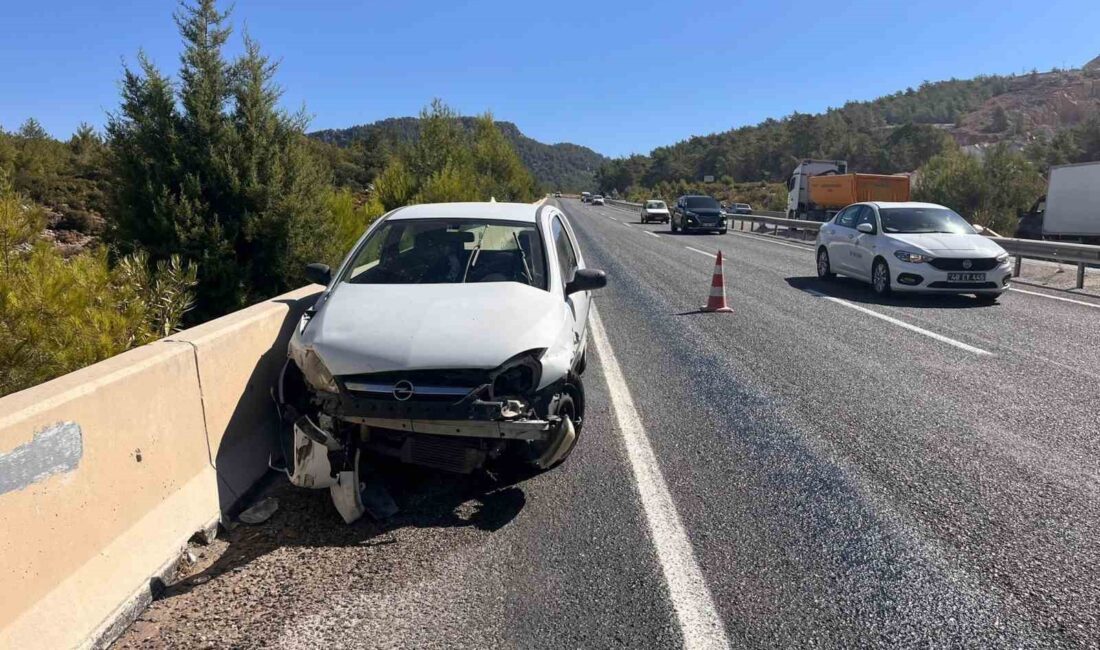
point(58, 314)
point(987, 190)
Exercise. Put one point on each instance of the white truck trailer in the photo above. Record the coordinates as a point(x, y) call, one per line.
point(1071, 208)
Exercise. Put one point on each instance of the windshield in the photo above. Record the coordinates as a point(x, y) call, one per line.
point(449, 251)
point(923, 220)
point(701, 202)
point(655, 205)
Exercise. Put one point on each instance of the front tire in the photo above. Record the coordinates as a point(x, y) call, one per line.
point(672, 226)
point(880, 278)
point(824, 268)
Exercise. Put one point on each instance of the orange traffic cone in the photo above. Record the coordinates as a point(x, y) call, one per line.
point(717, 299)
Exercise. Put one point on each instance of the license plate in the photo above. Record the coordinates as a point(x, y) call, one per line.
point(966, 277)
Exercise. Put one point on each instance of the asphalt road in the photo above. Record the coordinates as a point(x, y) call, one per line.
point(831, 470)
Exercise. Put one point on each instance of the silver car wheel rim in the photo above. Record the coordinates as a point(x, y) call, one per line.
point(822, 263)
point(880, 278)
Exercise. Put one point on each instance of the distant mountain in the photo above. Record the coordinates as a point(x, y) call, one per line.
point(562, 166)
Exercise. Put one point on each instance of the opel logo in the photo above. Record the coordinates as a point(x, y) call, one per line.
point(967, 264)
point(403, 390)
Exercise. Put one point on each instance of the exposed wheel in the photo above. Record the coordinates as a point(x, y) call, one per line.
point(672, 226)
point(880, 278)
point(548, 454)
point(824, 270)
point(722, 231)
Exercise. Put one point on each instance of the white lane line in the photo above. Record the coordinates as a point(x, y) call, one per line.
point(651, 233)
point(710, 255)
point(700, 624)
point(1043, 295)
point(901, 323)
point(771, 241)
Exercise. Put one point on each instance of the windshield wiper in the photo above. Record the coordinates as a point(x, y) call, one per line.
point(472, 260)
point(523, 258)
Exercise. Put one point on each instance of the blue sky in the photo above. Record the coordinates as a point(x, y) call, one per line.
point(619, 77)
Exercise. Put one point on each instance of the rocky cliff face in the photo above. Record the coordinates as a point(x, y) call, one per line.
point(1034, 105)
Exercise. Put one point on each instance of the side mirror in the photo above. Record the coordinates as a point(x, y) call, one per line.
point(586, 280)
point(319, 273)
point(866, 228)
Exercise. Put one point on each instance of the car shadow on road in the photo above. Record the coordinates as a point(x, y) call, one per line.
point(860, 292)
point(307, 519)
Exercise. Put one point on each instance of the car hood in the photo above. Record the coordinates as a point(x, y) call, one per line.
point(951, 245)
point(366, 328)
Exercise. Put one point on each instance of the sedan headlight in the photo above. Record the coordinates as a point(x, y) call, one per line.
point(912, 258)
point(316, 374)
point(1002, 258)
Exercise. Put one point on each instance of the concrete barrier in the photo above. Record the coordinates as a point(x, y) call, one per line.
point(105, 473)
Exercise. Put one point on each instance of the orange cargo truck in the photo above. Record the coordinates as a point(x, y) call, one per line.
point(831, 192)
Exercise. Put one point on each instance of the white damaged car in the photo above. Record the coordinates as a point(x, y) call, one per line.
point(453, 336)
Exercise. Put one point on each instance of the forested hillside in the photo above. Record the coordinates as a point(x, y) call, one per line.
point(562, 166)
point(981, 145)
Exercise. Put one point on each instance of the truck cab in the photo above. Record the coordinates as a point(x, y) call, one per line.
point(798, 186)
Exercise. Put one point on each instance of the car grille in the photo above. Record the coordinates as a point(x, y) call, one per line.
point(956, 263)
point(427, 385)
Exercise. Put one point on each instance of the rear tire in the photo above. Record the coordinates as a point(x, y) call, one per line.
point(880, 278)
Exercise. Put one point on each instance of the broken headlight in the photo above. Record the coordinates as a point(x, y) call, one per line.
point(519, 375)
point(315, 372)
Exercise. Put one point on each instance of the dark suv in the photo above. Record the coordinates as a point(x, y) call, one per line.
point(698, 213)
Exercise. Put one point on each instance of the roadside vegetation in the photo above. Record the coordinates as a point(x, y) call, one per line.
point(201, 196)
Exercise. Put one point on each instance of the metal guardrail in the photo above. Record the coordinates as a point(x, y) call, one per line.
point(1082, 255)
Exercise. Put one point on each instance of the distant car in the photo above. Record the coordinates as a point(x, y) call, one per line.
point(597, 200)
point(912, 247)
point(740, 208)
point(697, 212)
point(374, 368)
point(654, 210)
point(585, 197)
point(557, 195)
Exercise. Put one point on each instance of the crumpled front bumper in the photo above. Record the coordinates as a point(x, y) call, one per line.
point(470, 417)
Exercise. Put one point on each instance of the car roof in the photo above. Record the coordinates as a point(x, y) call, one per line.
point(903, 204)
point(524, 212)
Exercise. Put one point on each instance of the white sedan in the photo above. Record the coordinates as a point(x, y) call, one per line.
point(911, 247)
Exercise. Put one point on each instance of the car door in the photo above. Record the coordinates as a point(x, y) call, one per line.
point(569, 261)
point(839, 237)
point(865, 245)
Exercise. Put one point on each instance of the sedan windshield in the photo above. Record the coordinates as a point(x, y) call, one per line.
point(701, 203)
point(923, 220)
point(449, 251)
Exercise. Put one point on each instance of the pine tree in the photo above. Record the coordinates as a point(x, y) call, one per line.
point(227, 179)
